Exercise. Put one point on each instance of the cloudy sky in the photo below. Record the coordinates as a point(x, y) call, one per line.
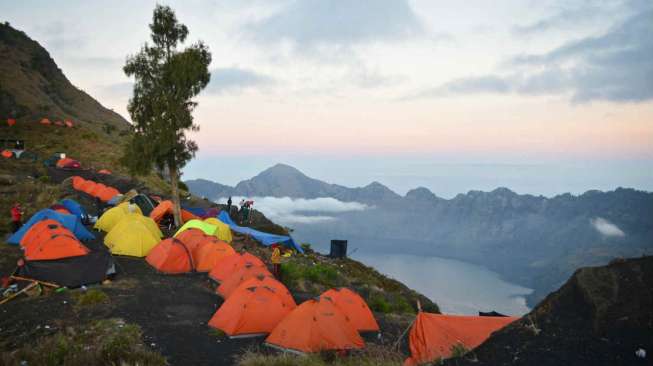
point(539, 96)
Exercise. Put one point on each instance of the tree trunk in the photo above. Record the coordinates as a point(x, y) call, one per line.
point(176, 208)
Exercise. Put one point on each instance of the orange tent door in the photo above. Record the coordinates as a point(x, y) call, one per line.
point(434, 335)
point(355, 307)
point(171, 256)
point(315, 325)
point(251, 311)
point(209, 252)
point(55, 247)
point(232, 282)
point(230, 264)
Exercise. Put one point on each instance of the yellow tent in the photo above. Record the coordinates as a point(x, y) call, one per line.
point(112, 216)
point(131, 237)
point(224, 232)
point(150, 224)
point(219, 230)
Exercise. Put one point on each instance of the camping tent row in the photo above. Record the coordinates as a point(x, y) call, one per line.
point(128, 231)
point(97, 190)
point(435, 336)
point(67, 122)
point(52, 251)
point(190, 251)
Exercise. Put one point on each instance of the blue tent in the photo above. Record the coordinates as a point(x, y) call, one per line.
point(74, 208)
point(265, 238)
point(70, 222)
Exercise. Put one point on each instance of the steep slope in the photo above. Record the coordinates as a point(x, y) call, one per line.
point(33, 87)
point(600, 316)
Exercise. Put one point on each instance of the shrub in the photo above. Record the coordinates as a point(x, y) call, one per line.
point(377, 302)
point(306, 247)
point(44, 179)
point(322, 274)
point(183, 186)
point(458, 350)
point(92, 297)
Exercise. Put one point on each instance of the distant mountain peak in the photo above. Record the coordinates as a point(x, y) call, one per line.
point(421, 194)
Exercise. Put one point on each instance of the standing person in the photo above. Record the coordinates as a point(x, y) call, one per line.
point(16, 217)
point(229, 206)
point(276, 261)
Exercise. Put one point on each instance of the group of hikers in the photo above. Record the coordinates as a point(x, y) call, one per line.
point(243, 211)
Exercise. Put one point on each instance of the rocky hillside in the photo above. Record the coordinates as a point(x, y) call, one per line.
point(33, 87)
point(531, 240)
point(600, 316)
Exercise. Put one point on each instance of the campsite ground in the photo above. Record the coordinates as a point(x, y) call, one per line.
point(173, 311)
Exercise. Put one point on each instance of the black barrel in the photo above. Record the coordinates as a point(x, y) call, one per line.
point(338, 249)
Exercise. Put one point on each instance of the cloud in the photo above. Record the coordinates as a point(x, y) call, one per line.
point(233, 79)
point(301, 211)
point(313, 23)
point(606, 228)
point(615, 66)
point(120, 89)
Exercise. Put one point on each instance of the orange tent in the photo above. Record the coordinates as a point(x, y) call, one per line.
point(433, 335)
point(11, 122)
point(165, 208)
point(104, 171)
point(193, 238)
point(69, 123)
point(45, 121)
point(68, 163)
point(42, 229)
point(315, 325)
point(355, 307)
point(51, 241)
point(209, 252)
point(78, 182)
point(87, 186)
point(7, 154)
point(268, 281)
point(162, 209)
point(99, 187)
point(250, 312)
point(230, 264)
point(107, 194)
point(232, 282)
point(171, 256)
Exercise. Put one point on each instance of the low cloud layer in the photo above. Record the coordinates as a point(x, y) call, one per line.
point(300, 211)
point(606, 228)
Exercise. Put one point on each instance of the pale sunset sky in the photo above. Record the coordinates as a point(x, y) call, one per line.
point(543, 97)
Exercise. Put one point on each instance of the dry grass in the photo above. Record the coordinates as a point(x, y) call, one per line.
point(371, 356)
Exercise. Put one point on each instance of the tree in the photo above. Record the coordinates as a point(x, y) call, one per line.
point(166, 81)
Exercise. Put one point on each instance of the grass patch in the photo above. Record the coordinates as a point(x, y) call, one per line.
point(103, 342)
point(458, 350)
point(371, 356)
point(217, 333)
point(91, 297)
point(296, 273)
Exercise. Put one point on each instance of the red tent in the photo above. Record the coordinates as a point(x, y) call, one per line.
point(11, 122)
point(68, 163)
point(45, 121)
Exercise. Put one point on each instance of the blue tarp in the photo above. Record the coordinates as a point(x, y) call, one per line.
point(70, 222)
point(74, 208)
point(265, 238)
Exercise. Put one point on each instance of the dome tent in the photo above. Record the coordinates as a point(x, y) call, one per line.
point(224, 232)
point(315, 325)
point(230, 264)
point(70, 222)
point(209, 252)
point(268, 281)
point(221, 232)
point(113, 215)
point(355, 307)
point(74, 208)
point(171, 256)
point(131, 237)
point(232, 282)
point(251, 311)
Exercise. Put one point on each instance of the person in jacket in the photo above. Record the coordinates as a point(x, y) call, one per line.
point(16, 217)
point(275, 258)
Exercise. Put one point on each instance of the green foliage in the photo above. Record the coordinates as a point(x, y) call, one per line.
point(458, 350)
point(103, 342)
point(44, 179)
point(389, 303)
point(293, 273)
point(306, 247)
point(91, 297)
point(183, 186)
point(162, 106)
point(108, 128)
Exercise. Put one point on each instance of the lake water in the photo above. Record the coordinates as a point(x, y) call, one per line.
point(457, 287)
